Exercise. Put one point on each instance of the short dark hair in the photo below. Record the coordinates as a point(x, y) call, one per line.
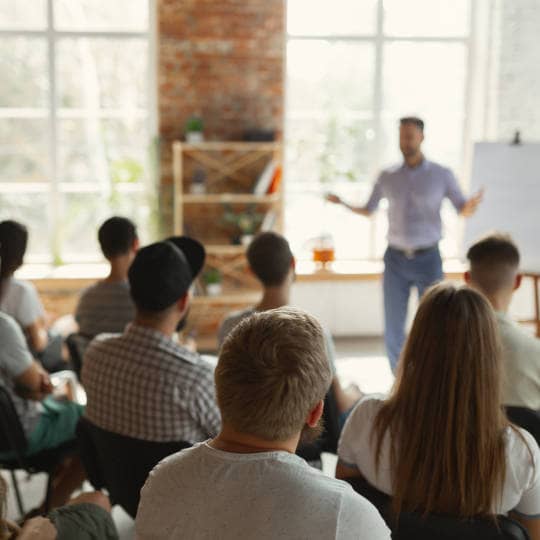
point(414, 120)
point(494, 260)
point(270, 258)
point(13, 242)
point(116, 236)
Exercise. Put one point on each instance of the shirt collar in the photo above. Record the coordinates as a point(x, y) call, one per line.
point(422, 166)
point(162, 342)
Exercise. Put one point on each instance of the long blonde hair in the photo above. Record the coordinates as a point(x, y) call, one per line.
point(444, 413)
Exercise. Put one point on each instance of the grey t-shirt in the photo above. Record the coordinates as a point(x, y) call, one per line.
point(521, 359)
point(15, 359)
point(231, 320)
point(105, 308)
point(202, 493)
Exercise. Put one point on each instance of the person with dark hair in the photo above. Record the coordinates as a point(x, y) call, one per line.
point(440, 443)
point(20, 300)
point(271, 379)
point(271, 260)
point(106, 306)
point(47, 422)
point(494, 271)
point(142, 383)
point(415, 191)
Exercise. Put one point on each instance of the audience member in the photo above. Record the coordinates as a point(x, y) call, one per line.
point(494, 271)
point(87, 517)
point(273, 264)
point(47, 422)
point(271, 378)
point(441, 442)
point(106, 306)
point(20, 299)
point(142, 383)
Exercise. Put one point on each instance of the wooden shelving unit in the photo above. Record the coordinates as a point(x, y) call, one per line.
point(230, 170)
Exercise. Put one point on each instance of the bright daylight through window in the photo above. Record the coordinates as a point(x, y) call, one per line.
point(353, 69)
point(74, 120)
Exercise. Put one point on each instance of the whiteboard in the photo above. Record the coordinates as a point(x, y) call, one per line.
point(510, 175)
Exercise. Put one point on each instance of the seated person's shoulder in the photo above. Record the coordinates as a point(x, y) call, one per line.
point(231, 320)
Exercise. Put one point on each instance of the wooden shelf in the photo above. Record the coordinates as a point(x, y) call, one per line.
point(225, 249)
point(251, 297)
point(224, 198)
point(229, 145)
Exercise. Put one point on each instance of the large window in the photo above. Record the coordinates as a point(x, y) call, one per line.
point(75, 125)
point(353, 69)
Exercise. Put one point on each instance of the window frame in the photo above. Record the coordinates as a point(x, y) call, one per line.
point(379, 39)
point(53, 187)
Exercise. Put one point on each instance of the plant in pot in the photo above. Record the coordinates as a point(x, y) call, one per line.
point(194, 130)
point(212, 281)
point(245, 223)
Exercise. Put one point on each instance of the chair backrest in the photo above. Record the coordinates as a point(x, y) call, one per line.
point(528, 419)
point(414, 526)
point(12, 437)
point(329, 438)
point(76, 344)
point(120, 464)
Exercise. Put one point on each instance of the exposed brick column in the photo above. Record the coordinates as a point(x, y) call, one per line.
point(222, 60)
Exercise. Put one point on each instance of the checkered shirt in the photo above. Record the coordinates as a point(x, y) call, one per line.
point(144, 385)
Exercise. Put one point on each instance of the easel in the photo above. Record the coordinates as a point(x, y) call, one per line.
point(535, 276)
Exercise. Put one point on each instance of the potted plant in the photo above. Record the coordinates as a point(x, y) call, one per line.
point(245, 223)
point(194, 130)
point(212, 281)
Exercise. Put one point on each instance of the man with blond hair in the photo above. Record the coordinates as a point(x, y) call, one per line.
point(271, 379)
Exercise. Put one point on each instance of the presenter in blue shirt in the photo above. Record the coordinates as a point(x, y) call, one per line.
point(415, 191)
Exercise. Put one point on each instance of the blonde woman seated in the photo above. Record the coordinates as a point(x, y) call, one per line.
point(440, 443)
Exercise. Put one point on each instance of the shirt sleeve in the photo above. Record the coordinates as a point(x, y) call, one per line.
point(16, 357)
point(529, 504)
point(330, 351)
point(358, 514)
point(204, 406)
point(454, 192)
point(376, 195)
point(30, 308)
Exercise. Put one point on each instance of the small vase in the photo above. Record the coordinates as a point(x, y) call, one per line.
point(246, 239)
point(213, 289)
point(194, 137)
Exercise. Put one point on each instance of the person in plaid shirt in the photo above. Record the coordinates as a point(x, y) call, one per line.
point(142, 383)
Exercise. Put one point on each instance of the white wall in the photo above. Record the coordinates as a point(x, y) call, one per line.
point(356, 308)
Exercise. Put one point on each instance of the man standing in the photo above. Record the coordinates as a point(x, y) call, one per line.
point(415, 191)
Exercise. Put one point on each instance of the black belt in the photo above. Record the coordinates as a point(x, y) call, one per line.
point(410, 253)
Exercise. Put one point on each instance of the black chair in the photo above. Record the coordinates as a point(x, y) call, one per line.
point(528, 419)
point(329, 438)
point(13, 441)
point(415, 526)
point(120, 464)
point(76, 344)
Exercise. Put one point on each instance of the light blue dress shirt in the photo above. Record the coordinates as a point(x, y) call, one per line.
point(414, 199)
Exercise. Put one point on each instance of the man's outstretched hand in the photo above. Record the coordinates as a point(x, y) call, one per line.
point(333, 198)
point(471, 204)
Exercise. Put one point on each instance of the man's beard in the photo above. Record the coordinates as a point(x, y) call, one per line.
point(310, 434)
point(182, 322)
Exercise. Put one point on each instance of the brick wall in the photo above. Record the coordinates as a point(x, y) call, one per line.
point(222, 60)
point(519, 70)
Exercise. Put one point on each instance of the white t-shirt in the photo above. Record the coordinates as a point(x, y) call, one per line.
point(15, 359)
point(21, 301)
point(521, 490)
point(204, 493)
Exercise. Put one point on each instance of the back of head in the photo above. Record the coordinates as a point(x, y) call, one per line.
point(272, 371)
point(117, 236)
point(13, 242)
point(444, 413)
point(270, 258)
point(494, 263)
